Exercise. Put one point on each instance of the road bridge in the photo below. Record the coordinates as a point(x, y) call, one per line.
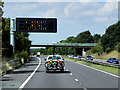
point(75, 45)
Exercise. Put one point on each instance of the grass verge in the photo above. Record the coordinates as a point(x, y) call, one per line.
point(104, 68)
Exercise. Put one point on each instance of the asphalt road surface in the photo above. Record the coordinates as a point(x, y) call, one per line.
point(74, 76)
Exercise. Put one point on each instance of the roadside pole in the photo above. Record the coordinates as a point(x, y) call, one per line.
point(12, 30)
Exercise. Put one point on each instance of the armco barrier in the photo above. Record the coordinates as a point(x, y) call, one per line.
point(11, 65)
point(101, 63)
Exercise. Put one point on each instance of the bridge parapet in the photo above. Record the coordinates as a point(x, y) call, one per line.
point(65, 44)
point(76, 44)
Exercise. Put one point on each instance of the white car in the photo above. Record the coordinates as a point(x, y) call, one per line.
point(77, 56)
point(70, 56)
point(54, 63)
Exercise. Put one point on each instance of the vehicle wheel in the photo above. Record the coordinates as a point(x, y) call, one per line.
point(47, 70)
point(114, 62)
point(62, 70)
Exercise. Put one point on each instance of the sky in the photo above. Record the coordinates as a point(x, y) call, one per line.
point(72, 17)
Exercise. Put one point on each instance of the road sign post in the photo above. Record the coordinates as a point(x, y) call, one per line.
point(12, 30)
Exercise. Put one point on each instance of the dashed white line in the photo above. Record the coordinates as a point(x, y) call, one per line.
point(26, 81)
point(84, 88)
point(66, 70)
point(71, 74)
point(76, 80)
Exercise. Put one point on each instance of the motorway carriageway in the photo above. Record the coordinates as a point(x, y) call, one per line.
point(74, 76)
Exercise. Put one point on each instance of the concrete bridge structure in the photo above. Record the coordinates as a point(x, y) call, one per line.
point(75, 45)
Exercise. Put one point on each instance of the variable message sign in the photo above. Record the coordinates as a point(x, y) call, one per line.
point(36, 25)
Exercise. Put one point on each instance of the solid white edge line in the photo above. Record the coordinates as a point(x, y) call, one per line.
point(26, 81)
point(99, 70)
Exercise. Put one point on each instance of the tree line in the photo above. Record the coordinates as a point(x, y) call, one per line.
point(84, 37)
point(105, 43)
point(22, 42)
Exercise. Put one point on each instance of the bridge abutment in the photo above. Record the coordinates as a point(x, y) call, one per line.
point(83, 52)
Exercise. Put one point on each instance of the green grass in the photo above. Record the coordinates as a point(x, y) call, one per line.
point(104, 68)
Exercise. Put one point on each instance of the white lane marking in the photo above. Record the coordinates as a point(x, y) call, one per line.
point(84, 88)
point(26, 81)
point(76, 80)
point(71, 74)
point(99, 70)
point(66, 70)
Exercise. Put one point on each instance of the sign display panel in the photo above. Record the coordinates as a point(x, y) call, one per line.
point(36, 25)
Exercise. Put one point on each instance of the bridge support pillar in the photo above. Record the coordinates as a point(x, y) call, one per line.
point(83, 52)
point(54, 50)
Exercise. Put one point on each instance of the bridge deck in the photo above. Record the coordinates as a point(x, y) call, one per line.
point(63, 44)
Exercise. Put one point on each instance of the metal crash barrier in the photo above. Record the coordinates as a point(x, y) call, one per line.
point(11, 65)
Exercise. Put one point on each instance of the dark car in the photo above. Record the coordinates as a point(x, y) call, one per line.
point(113, 60)
point(89, 57)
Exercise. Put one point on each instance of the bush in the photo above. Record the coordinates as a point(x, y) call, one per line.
point(108, 50)
point(97, 49)
point(23, 54)
point(118, 47)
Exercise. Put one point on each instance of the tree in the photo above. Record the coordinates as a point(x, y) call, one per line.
point(117, 47)
point(111, 36)
point(1, 13)
point(108, 50)
point(63, 41)
point(96, 38)
point(7, 49)
point(70, 39)
point(97, 49)
point(84, 37)
point(22, 43)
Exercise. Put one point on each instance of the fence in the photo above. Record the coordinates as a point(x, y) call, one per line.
point(101, 63)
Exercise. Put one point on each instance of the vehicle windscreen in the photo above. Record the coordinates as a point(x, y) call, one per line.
point(89, 56)
point(112, 58)
point(54, 58)
point(49, 58)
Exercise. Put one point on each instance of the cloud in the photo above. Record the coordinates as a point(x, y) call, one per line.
point(50, 13)
point(71, 8)
point(60, 0)
point(89, 13)
point(66, 10)
point(101, 19)
point(84, 8)
point(20, 7)
point(108, 8)
point(99, 12)
point(28, 9)
point(108, 12)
